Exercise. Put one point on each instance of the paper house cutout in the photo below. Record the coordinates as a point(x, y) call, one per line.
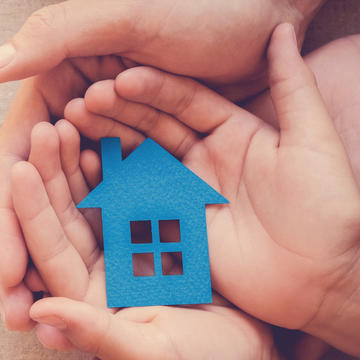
point(151, 185)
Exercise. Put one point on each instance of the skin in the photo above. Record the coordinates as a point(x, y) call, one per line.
point(303, 230)
point(57, 235)
point(67, 66)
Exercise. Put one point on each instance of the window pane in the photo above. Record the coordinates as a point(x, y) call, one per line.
point(169, 231)
point(172, 263)
point(141, 232)
point(143, 264)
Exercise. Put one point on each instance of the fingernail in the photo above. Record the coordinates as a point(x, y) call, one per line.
point(54, 321)
point(7, 54)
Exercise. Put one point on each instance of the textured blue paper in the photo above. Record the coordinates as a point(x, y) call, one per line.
point(151, 184)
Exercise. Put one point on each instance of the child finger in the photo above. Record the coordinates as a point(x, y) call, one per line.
point(96, 127)
point(57, 261)
point(99, 332)
point(172, 134)
point(193, 104)
point(34, 281)
point(45, 156)
point(90, 164)
point(302, 115)
point(70, 159)
point(91, 168)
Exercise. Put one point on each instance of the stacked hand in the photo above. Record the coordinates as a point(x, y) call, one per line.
point(67, 254)
point(68, 52)
point(282, 217)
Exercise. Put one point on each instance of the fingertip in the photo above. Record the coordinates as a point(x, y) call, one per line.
point(74, 109)
point(22, 170)
point(131, 83)
point(16, 305)
point(91, 166)
point(283, 36)
point(283, 53)
point(44, 136)
point(100, 96)
point(67, 133)
point(52, 338)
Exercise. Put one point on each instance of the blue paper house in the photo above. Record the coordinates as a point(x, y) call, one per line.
point(151, 187)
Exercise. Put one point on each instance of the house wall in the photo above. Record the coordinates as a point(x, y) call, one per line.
point(193, 286)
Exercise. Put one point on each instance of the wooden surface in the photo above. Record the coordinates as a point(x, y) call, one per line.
point(338, 18)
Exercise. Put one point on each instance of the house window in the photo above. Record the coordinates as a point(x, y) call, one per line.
point(143, 264)
point(156, 247)
point(169, 230)
point(141, 232)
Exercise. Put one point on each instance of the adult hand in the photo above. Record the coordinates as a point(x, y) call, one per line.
point(40, 99)
point(292, 225)
point(220, 43)
point(71, 264)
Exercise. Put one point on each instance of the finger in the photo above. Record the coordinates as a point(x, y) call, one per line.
point(70, 163)
point(48, 29)
point(59, 264)
point(91, 168)
point(53, 338)
point(26, 110)
point(16, 303)
point(99, 332)
point(102, 99)
point(96, 127)
point(195, 105)
point(69, 141)
point(301, 112)
point(34, 281)
point(45, 156)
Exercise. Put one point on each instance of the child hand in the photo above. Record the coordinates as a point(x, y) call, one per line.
point(70, 262)
point(40, 98)
point(286, 247)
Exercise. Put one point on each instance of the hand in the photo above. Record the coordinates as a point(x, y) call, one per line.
point(108, 28)
point(41, 98)
point(339, 89)
point(220, 43)
point(292, 225)
point(71, 264)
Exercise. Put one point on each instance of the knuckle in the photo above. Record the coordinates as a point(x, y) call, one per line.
point(184, 102)
point(46, 18)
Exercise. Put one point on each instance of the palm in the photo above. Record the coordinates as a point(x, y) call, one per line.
point(288, 203)
point(85, 279)
point(43, 98)
point(269, 203)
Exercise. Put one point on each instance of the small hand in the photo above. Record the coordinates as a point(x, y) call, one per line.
point(289, 237)
point(220, 43)
point(41, 98)
point(71, 264)
point(161, 33)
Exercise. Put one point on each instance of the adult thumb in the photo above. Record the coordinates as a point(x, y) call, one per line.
point(301, 112)
point(98, 331)
point(68, 29)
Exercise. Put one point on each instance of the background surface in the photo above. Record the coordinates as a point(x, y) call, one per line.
point(336, 19)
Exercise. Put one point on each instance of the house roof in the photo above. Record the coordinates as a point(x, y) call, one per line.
point(149, 174)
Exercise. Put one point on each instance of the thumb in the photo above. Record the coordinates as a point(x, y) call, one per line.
point(99, 332)
point(68, 29)
point(301, 112)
